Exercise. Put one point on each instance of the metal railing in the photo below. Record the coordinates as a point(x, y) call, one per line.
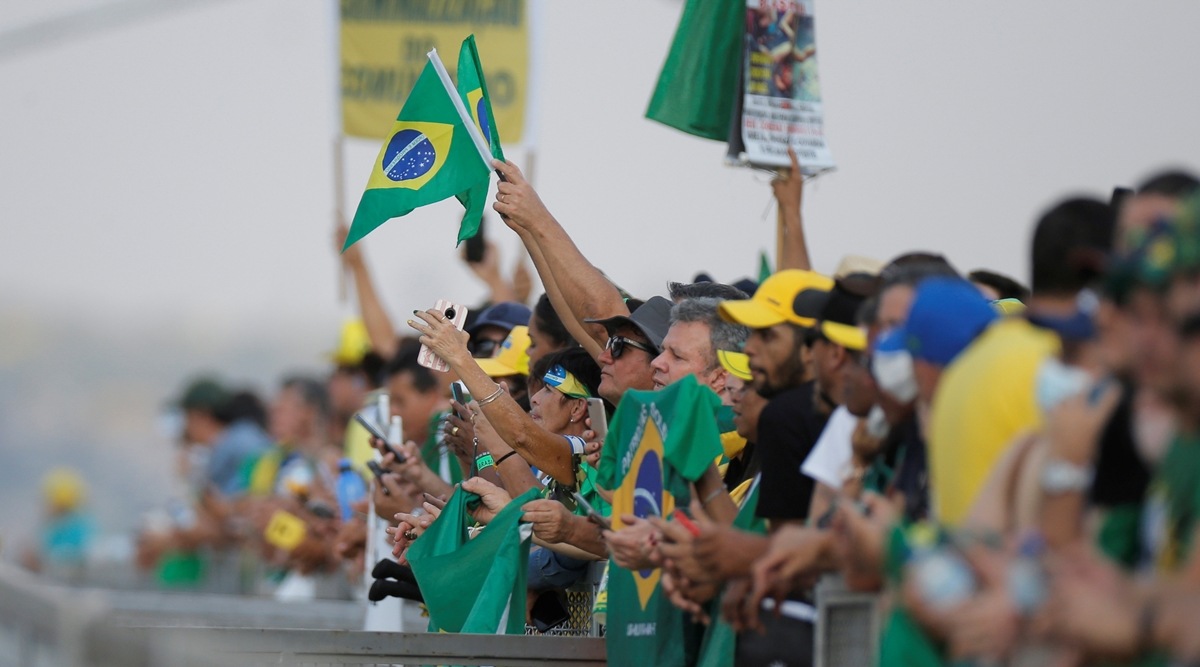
point(43, 625)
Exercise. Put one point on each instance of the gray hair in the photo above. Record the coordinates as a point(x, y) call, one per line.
point(708, 290)
point(723, 335)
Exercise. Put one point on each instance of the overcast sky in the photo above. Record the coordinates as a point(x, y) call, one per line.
point(171, 177)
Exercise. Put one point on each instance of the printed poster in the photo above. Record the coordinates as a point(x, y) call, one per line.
point(781, 104)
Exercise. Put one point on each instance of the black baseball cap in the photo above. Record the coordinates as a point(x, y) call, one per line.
point(652, 318)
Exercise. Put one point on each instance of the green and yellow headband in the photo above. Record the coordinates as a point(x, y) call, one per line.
point(564, 381)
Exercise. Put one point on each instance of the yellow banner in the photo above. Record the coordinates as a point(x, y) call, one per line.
point(384, 43)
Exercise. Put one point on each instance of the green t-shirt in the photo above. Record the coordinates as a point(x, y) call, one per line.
point(719, 647)
point(657, 442)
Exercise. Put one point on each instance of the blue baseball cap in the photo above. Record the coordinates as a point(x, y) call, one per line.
point(946, 315)
point(506, 315)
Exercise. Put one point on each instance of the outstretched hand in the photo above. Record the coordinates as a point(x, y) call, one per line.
point(516, 201)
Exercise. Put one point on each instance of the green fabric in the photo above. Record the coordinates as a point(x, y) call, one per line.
point(764, 267)
point(434, 454)
point(719, 647)
point(657, 442)
point(585, 474)
point(474, 585)
point(903, 641)
point(905, 644)
point(1119, 533)
point(428, 156)
point(698, 84)
point(180, 569)
point(473, 89)
point(1176, 485)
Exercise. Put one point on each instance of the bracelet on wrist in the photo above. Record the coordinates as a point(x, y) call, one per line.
point(504, 458)
point(493, 396)
point(484, 460)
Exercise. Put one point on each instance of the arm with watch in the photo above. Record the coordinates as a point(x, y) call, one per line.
point(1071, 434)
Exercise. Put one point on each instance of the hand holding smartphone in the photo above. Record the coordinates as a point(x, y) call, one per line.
point(378, 434)
point(598, 417)
point(457, 315)
point(592, 514)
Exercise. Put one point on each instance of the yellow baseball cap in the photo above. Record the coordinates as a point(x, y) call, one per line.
point(774, 301)
point(513, 358)
point(737, 363)
point(848, 336)
point(353, 344)
point(63, 489)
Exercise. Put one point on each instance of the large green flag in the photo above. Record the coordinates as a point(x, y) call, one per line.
point(698, 85)
point(658, 441)
point(477, 585)
point(473, 89)
point(427, 157)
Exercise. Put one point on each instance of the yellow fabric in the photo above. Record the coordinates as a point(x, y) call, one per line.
point(356, 446)
point(732, 444)
point(984, 400)
point(738, 494)
point(262, 476)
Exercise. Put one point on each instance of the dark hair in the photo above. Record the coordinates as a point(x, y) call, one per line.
point(311, 391)
point(576, 361)
point(1172, 183)
point(705, 290)
point(243, 405)
point(1006, 287)
point(550, 324)
point(405, 361)
point(913, 267)
point(1070, 246)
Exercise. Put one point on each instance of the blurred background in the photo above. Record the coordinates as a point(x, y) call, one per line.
point(168, 185)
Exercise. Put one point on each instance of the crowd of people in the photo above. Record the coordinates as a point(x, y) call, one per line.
point(1014, 469)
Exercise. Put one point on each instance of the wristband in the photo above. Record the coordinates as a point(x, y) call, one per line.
point(484, 460)
point(502, 459)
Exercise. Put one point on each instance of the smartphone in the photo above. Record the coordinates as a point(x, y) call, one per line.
point(378, 472)
point(599, 418)
point(686, 521)
point(461, 394)
point(591, 512)
point(457, 314)
point(549, 612)
point(378, 433)
point(475, 244)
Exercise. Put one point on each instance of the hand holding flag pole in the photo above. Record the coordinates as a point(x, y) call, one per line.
point(481, 144)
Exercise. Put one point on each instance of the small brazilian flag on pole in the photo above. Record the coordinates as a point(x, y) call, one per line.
point(472, 88)
point(430, 154)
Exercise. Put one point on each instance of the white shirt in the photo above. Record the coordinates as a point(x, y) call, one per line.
point(828, 459)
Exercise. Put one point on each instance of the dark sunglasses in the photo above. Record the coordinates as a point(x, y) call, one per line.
point(483, 349)
point(616, 346)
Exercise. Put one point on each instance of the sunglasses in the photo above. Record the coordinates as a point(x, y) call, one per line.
point(483, 349)
point(616, 346)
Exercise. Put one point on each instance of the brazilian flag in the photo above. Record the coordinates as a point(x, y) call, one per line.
point(473, 89)
point(428, 156)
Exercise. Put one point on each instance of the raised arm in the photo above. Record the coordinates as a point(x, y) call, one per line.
point(585, 292)
point(590, 336)
point(379, 325)
point(789, 195)
point(550, 452)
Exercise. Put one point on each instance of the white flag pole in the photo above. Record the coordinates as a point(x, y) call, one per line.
point(482, 146)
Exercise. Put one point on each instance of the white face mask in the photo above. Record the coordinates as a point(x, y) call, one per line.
point(877, 424)
point(894, 374)
point(1056, 382)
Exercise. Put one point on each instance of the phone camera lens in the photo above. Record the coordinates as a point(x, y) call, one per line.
point(449, 313)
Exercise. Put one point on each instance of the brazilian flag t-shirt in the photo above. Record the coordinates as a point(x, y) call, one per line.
point(658, 441)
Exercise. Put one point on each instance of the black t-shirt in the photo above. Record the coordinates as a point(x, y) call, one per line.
point(1121, 475)
point(787, 430)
